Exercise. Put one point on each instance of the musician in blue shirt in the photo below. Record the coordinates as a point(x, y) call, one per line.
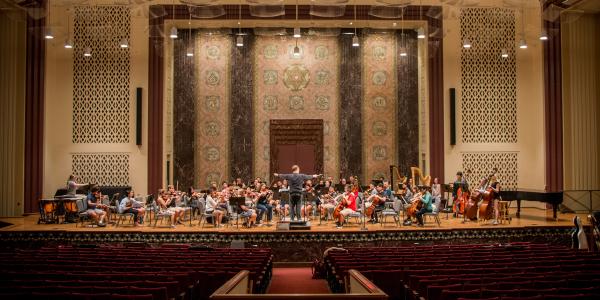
point(426, 199)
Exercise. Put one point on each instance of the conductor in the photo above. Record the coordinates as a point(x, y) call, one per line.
point(295, 180)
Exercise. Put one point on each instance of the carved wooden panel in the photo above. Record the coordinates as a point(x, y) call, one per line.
point(299, 131)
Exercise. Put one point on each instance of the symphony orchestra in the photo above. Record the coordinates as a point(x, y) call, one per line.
point(289, 197)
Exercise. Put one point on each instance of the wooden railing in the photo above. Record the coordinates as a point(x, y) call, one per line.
point(359, 287)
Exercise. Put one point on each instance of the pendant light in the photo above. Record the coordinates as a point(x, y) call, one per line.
point(355, 41)
point(87, 52)
point(402, 48)
point(173, 32)
point(68, 42)
point(239, 41)
point(190, 49)
point(124, 43)
point(523, 42)
point(297, 33)
point(466, 43)
point(504, 53)
point(421, 30)
point(48, 32)
point(296, 50)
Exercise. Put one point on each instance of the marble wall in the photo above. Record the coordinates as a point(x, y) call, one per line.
point(290, 87)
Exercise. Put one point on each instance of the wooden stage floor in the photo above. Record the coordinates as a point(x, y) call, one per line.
point(530, 218)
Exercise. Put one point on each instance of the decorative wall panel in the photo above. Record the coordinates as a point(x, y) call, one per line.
point(379, 80)
point(213, 59)
point(489, 92)
point(481, 165)
point(101, 82)
point(289, 87)
point(110, 169)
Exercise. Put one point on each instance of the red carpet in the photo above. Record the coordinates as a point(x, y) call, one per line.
point(296, 281)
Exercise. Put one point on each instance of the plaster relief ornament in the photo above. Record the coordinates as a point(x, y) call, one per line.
point(211, 128)
point(212, 77)
point(322, 102)
point(379, 78)
point(379, 128)
point(296, 102)
point(211, 153)
point(296, 77)
point(322, 77)
point(379, 102)
point(270, 102)
point(270, 51)
point(213, 52)
point(321, 52)
point(270, 77)
point(212, 103)
point(379, 152)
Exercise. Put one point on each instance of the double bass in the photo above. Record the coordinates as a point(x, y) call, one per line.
point(486, 209)
point(462, 198)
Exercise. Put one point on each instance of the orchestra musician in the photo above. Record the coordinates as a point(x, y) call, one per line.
point(348, 202)
point(380, 195)
point(495, 186)
point(295, 179)
point(263, 205)
point(310, 197)
point(461, 183)
point(426, 199)
point(436, 191)
point(328, 202)
point(164, 201)
point(72, 185)
point(129, 205)
point(215, 208)
point(96, 209)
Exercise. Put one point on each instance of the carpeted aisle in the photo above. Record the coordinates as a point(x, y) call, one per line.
point(296, 281)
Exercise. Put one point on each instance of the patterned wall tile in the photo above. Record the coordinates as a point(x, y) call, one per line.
point(213, 61)
point(481, 165)
point(301, 90)
point(108, 169)
point(489, 92)
point(379, 104)
point(101, 92)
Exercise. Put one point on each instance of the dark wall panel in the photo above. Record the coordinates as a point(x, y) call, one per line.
point(242, 121)
point(184, 111)
point(350, 108)
point(408, 101)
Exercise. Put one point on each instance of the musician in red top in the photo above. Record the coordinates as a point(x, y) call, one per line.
point(349, 205)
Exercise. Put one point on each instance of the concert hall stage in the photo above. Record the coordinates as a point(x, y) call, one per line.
point(534, 225)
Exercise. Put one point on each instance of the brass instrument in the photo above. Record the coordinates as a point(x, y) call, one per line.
point(423, 180)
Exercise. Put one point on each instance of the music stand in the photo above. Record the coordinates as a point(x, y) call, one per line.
point(236, 205)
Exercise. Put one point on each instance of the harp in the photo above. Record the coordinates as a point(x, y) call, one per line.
point(419, 178)
point(396, 179)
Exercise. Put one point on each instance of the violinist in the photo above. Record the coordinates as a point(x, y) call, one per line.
point(95, 207)
point(328, 202)
point(131, 206)
point(214, 208)
point(348, 203)
point(426, 199)
point(164, 201)
point(262, 204)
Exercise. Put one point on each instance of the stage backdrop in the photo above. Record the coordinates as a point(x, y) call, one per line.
point(224, 97)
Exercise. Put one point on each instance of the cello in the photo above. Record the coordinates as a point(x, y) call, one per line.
point(341, 206)
point(377, 200)
point(416, 205)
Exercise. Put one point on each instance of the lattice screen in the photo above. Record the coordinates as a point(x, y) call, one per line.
point(101, 82)
point(109, 169)
point(481, 165)
point(489, 94)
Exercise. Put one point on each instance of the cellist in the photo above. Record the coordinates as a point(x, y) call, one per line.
point(426, 199)
point(348, 202)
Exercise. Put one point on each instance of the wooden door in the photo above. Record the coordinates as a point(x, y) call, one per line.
point(296, 142)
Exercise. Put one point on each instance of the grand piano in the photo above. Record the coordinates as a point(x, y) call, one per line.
point(554, 198)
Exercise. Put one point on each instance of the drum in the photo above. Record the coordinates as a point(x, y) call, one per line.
point(48, 211)
point(70, 205)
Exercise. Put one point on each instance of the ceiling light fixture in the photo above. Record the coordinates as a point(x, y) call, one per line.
point(421, 30)
point(297, 33)
point(190, 48)
point(124, 43)
point(504, 53)
point(544, 34)
point(466, 44)
point(402, 48)
point(87, 52)
point(48, 32)
point(355, 41)
point(239, 40)
point(68, 42)
point(296, 50)
point(173, 32)
point(523, 42)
